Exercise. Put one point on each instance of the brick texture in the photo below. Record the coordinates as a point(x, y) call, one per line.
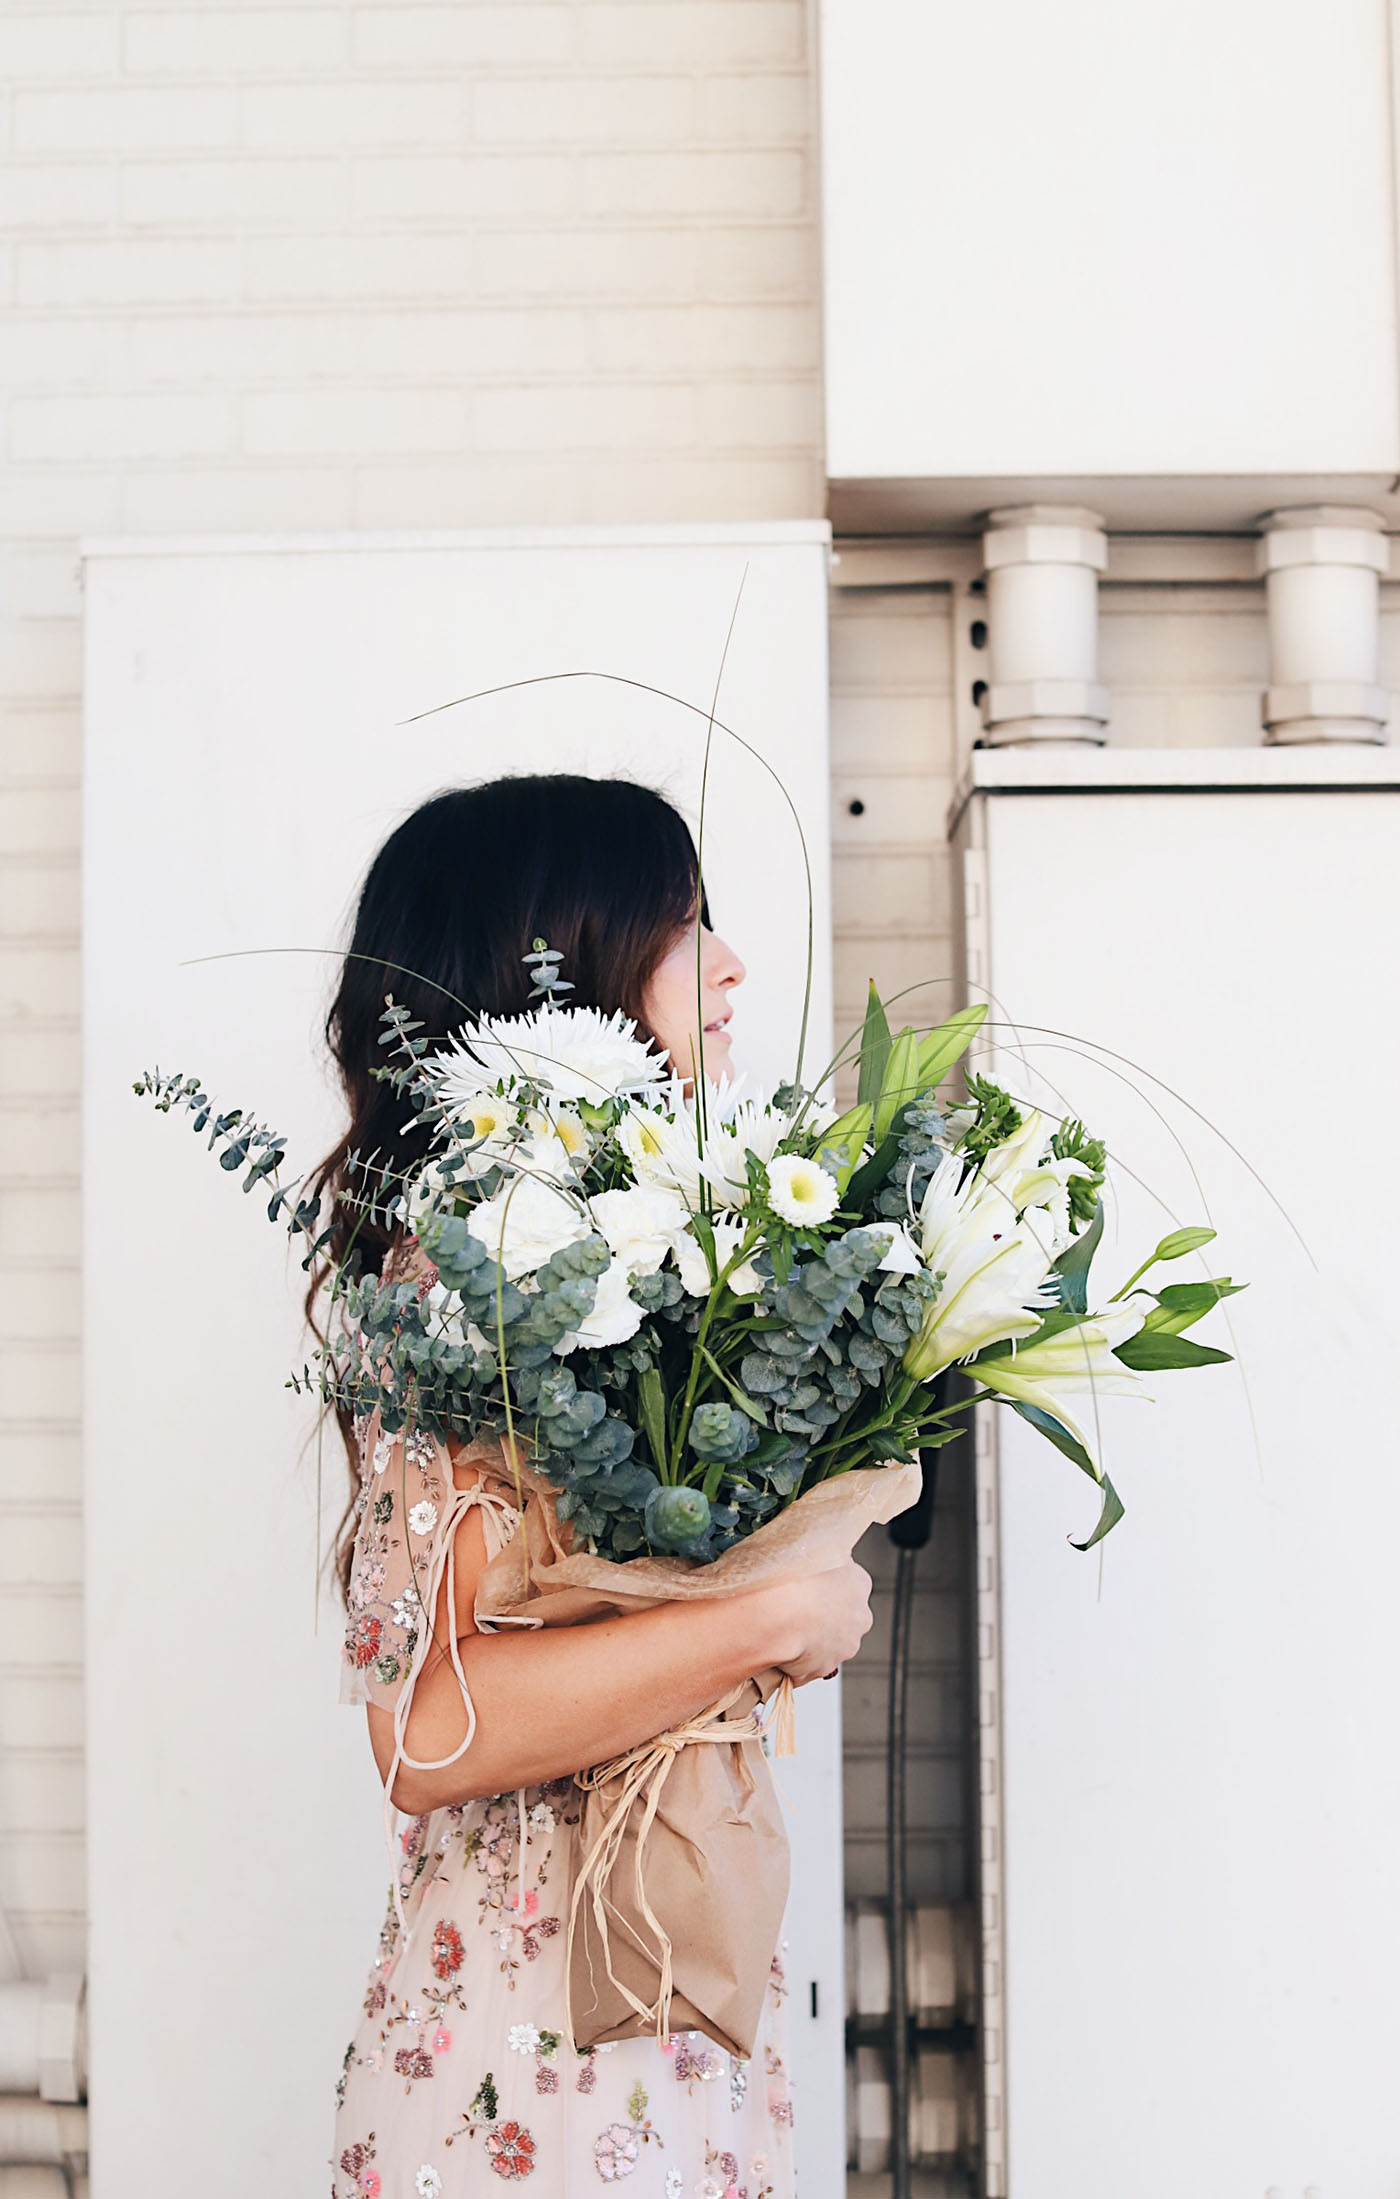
point(284, 267)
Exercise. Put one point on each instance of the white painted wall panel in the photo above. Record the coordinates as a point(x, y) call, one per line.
point(1102, 240)
point(244, 758)
point(1201, 1772)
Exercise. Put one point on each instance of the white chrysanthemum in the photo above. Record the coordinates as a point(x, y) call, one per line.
point(575, 1053)
point(615, 1316)
point(485, 1130)
point(640, 1225)
point(800, 1192)
point(527, 1222)
point(663, 1149)
point(566, 1127)
point(752, 1127)
point(695, 1268)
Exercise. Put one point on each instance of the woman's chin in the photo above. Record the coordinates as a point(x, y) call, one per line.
point(717, 1049)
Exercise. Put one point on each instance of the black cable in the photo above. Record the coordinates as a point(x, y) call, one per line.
point(909, 1533)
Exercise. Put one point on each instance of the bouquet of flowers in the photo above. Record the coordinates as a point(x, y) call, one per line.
point(703, 1330)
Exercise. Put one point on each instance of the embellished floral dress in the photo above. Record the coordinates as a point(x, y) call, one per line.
point(459, 2076)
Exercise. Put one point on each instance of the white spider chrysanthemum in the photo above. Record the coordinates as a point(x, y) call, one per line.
point(574, 1053)
point(751, 1127)
point(663, 1149)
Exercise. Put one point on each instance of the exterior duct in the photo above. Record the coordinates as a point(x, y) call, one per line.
point(1043, 563)
point(1322, 565)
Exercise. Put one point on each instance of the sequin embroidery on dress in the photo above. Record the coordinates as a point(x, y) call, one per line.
point(459, 2075)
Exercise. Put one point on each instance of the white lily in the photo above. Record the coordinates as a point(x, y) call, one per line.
point(1022, 1150)
point(1072, 1361)
point(901, 1252)
point(745, 1282)
point(993, 1267)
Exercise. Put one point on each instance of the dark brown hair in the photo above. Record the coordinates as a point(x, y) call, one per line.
point(602, 869)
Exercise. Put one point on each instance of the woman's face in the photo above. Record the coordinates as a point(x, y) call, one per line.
point(670, 1003)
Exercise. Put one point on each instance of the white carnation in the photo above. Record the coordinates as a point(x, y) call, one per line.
point(800, 1192)
point(640, 1225)
point(615, 1316)
point(527, 1222)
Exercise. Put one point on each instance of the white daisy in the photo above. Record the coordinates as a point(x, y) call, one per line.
point(523, 2038)
point(427, 2183)
point(423, 1518)
point(800, 1192)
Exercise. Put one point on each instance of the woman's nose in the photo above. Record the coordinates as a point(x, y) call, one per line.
point(727, 970)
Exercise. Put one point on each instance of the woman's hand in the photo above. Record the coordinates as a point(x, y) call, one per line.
point(820, 1621)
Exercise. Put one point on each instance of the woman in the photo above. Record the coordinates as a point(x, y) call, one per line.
point(460, 2072)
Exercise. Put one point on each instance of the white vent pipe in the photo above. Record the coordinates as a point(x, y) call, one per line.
point(941, 1962)
point(1322, 565)
point(1043, 563)
point(45, 2134)
point(943, 2111)
point(43, 2040)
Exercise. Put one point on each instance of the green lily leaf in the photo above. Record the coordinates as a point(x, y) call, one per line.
point(1071, 1270)
point(874, 1049)
point(1152, 1351)
point(1181, 1305)
point(947, 1044)
point(886, 1449)
point(1109, 1517)
point(844, 1142)
point(741, 1398)
point(1045, 1424)
point(651, 1396)
point(899, 1083)
point(874, 1171)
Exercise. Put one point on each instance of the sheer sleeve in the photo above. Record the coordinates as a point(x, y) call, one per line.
point(410, 1507)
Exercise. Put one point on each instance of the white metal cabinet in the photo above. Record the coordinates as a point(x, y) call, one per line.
point(1191, 1757)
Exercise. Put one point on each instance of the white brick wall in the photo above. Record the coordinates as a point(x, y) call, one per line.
point(305, 267)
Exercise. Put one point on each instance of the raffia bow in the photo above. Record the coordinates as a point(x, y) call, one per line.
point(641, 1773)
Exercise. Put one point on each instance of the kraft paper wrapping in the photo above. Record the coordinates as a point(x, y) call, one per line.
point(683, 1869)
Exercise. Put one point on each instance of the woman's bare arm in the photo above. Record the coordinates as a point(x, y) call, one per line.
point(551, 1701)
